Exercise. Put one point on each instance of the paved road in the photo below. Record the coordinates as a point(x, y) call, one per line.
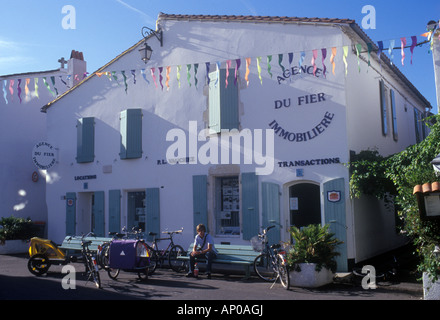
point(16, 283)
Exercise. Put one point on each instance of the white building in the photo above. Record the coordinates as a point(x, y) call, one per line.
point(119, 139)
point(22, 126)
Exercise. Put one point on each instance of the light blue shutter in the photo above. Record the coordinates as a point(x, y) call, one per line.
point(131, 134)
point(214, 102)
point(114, 211)
point(250, 207)
point(228, 101)
point(383, 107)
point(85, 140)
point(393, 114)
point(223, 101)
point(200, 201)
point(99, 214)
point(152, 199)
point(271, 210)
point(70, 214)
point(335, 217)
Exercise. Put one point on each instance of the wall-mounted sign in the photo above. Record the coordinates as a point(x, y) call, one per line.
point(44, 155)
point(334, 196)
point(89, 177)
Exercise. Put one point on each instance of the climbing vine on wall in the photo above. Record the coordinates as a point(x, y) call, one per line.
point(393, 178)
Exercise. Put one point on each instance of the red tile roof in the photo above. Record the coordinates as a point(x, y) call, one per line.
point(268, 19)
point(427, 188)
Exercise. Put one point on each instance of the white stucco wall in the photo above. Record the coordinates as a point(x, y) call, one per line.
point(199, 42)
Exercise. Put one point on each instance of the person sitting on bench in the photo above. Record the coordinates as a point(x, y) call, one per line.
point(203, 248)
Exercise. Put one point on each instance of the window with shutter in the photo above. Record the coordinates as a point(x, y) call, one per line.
point(85, 151)
point(131, 134)
point(223, 101)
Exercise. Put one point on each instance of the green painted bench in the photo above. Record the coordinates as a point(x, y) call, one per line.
point(231, 254)
point(71, 243)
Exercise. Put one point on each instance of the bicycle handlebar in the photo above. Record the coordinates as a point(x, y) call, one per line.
point(172, 232)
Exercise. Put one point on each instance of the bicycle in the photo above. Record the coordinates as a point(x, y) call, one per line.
point(44, 253)
point(102, 255)
point(171, 253)
point(90, 263)
point(271, 264)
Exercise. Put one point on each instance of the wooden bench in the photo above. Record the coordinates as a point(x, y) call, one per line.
point(230, 254)
point(74, 243)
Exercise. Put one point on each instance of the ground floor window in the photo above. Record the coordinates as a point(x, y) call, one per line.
point(227, 211)
point(136, 210)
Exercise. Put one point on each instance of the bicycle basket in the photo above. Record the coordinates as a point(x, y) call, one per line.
point(257, 244)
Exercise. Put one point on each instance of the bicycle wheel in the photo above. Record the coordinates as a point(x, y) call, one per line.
point(175, 263)
point(103, 255)
point(113, 273)
point(154, 261)
point(283, 272)
point(93, 271)
point(263, 267)
point(38, 264)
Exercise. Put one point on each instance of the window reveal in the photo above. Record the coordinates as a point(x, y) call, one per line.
point(228, 206)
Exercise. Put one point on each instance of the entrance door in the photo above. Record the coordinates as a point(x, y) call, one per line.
point(304, 204)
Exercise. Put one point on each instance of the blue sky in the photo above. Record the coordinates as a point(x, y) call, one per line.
point(32, 37)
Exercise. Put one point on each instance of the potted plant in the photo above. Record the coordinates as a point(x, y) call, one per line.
point(14, 232)
point(311, 258)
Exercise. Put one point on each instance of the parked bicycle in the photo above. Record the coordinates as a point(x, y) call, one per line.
point(90, 263)
point(271, 264)
point(172, 251)
point(44, 253)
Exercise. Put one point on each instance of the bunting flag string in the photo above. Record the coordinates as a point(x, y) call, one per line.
point(154, 76)
point(196, 67)
point(15, 86)
point(5, 94)
point(413, 45)
point(358, 50)
point(301, 60)
point(324, 55)
point(36, 88)
point(237, 66)
point(11, 88)
point(26, 87)
point(259, 69)
point(19, 89)
point(167, 82)
point(403, 45)
point(269, 67)
point(314, 57)
point(125, 80)
point(390, 50)
point(345, 49)
point(246, 76)
point(160, 77)
point(332, 59)
point(207, 64)
point(133, 73)
point(178, 74)
point(144, 76)
point(228, 66)
point(280, 61)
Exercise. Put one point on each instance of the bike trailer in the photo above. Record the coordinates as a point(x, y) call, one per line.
point(128, 254)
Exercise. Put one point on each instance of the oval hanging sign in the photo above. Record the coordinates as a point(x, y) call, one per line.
point(44, 155)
